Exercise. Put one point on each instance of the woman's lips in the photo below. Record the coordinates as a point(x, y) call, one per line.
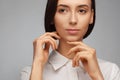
point(72, 31)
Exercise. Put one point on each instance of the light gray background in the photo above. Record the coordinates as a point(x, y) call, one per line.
point(21, 21)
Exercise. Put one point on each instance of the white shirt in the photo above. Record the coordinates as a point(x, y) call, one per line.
point(59, 67)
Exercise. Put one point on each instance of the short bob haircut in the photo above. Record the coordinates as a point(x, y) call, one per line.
point(50, 13)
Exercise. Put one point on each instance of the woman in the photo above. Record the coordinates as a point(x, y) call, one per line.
point(69, 22)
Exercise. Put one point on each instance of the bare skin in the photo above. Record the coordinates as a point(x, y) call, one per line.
point(41, 54)
point(71, 21)
point(80, 50)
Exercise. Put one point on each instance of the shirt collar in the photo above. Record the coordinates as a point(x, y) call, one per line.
point(57, 60)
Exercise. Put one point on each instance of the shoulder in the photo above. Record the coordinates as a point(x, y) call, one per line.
point(107, 64)
point(26, 69)
point(109, 69)
point(25, 73)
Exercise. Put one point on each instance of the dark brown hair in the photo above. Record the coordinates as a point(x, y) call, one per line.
point(50, 13)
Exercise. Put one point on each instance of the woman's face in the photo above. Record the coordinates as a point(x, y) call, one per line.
point(72, 19)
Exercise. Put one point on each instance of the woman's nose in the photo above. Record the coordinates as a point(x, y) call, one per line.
point(73, 19)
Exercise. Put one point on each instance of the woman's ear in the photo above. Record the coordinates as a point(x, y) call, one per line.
point(92, 15)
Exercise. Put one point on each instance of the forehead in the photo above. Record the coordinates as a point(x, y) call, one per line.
point(75, 2)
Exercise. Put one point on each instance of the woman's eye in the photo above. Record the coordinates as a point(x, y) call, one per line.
point(82, 11)
point(62, 10)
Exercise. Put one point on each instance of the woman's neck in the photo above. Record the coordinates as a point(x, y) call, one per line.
point(63, 49)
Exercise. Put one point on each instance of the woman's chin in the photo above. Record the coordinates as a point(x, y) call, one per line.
point(73, 39)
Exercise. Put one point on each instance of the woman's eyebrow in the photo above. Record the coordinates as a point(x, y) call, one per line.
point(82, 5)
point(63, 5)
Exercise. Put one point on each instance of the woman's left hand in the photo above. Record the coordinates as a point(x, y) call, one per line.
point(87, 56)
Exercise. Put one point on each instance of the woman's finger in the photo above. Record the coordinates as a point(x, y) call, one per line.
point(76, 49)
point(51, 41)
point(83, 56)
point(77, 43)
point(51, 34)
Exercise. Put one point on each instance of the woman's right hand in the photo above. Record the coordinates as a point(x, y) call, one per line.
point(41, 53)
point(42, 44)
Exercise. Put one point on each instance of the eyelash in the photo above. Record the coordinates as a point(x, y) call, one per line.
point(82, 11)
point(62, 10)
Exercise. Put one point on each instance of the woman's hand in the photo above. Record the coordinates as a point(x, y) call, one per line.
point(87, 56)
point(42, 44)
point(41, 53)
